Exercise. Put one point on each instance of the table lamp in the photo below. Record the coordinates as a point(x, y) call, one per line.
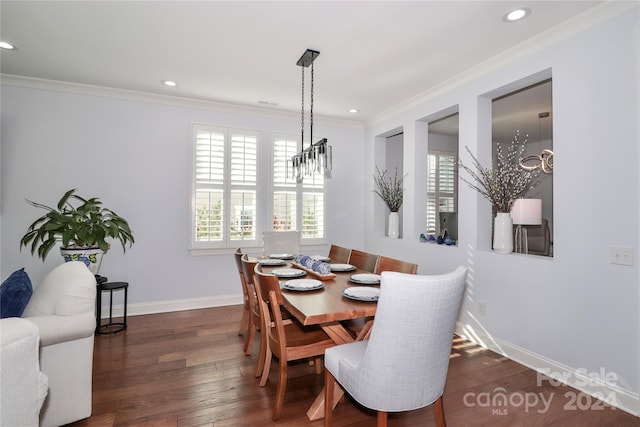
point(525, 212)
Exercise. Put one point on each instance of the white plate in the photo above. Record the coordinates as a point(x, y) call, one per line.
point(362, 294)
point(365, 279)
point(288, 272)
point(281, 256)
point(272, 261)
point(302, 285)
point(342, 267)
point(320, 258)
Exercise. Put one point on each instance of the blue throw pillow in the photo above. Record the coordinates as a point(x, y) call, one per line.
point(15, 293)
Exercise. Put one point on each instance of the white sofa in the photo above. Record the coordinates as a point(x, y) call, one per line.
point(24, 386)
point(63, 309)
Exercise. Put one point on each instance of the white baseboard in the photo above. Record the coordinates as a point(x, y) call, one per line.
point(601, 385)
point(174, 305)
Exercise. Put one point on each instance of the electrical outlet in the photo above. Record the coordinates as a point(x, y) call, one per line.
point(621, 255)
point(482, 308)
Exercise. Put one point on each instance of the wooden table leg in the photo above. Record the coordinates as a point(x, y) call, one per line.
point(316, 411)
point(337, 333)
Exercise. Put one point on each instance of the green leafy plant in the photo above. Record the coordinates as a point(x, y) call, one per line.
point(389, 189)
point(506, 182)
point(78, 223)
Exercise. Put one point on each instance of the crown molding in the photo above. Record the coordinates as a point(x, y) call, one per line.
point(138, 96)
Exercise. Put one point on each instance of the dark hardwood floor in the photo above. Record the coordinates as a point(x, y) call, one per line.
point(188, 369)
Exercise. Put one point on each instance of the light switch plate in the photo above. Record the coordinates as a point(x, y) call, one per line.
point(621, 255)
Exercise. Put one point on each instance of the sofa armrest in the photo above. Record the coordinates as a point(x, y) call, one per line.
point(23, 386)
point(56, 329)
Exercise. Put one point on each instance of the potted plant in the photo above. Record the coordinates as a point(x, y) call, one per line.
point(502, 185)
point(390, 191)
point(82, 225)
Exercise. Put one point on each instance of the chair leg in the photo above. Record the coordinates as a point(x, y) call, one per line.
point(382, 419)
point(244, 323)
point(248, 342)
point(282, 388)
point(438, 411)
point(266, 365)
point(262, 353)
point(329, 386)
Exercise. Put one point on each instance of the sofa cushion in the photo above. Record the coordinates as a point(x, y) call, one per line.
point(15, 292)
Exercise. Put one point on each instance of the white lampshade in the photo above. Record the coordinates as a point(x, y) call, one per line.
point(527, 211)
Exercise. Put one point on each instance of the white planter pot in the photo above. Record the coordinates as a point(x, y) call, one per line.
point(92, 257)
point(503, 233)
point(394, 225)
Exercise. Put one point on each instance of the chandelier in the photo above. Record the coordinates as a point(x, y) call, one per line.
point(316, 158)
point(544, 161)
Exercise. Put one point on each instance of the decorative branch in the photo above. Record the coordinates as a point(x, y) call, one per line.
point(505, 183)
point(389, 189)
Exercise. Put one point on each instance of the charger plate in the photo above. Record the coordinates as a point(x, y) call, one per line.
point(288, 272)
point(302, 285)
point(281, 256)
point(342, 267)
point(365, 279)
point(362, 294)
point(272, 261)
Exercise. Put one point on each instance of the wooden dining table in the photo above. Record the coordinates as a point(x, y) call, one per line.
point(327, 308)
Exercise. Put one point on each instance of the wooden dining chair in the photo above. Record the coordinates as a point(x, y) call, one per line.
point(391, 264)
point(363, 260)
point(288, 341)
point(255, 314)
point(339, 254)
point(245, 323)
point(281, 242)
point(403, 366)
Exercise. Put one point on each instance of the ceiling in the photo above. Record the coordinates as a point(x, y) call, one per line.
point(373, 55)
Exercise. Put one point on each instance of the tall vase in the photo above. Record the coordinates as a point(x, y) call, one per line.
point(503, 233)
point(394, 225)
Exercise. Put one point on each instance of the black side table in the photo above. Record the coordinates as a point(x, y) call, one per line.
point(111, 327)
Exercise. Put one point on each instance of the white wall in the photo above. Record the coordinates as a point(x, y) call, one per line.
point(576, 310)
point(134, 154)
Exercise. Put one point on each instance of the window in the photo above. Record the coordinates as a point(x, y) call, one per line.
point(441, 187)
point(224, 209)
point(296, 206)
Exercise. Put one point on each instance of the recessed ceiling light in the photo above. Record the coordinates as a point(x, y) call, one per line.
point(7, 46)
point(169, 83)
point(517, 15)
point(353, 110)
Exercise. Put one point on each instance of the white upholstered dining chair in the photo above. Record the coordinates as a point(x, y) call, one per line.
point(403, 366)
point(281, 242)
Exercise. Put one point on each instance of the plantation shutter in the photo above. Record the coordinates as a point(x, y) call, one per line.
point(295, 206)
point(284, 187)
point(441, 187)
point(313, 207)
point(225, 186)
point(243, 172)
point(209, 184)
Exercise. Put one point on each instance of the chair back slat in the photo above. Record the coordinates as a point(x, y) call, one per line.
point(339, 254)
point(363, 260)
point(281, 242)
point(391, 264)
point(267, 283)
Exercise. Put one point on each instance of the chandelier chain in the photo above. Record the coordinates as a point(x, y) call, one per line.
point(311, 106)
point(302, 113)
